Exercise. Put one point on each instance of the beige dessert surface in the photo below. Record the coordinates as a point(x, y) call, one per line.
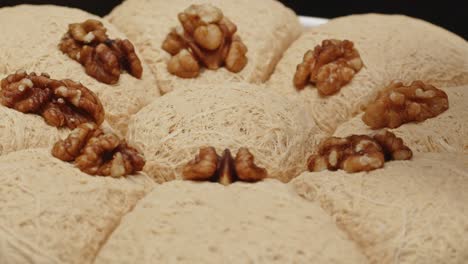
point(408, 212)
point(444, 133)
point(412, 211)
point(50, 212)
point(241, 223)
point(20, 131)
point(392, 47)
point(265, 26)
point(31, 35)
point(171, 130)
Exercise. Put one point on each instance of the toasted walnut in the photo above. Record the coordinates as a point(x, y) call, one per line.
point(89, 31)
point(184, 65)
point(330, 66)
point(203, 166)
point(208, 166)
point(101, 63)
point(393, 146)
point(103, 58)
point(21, 93)
point(127, 57)
point(236, 59)
point(207, 38)
point(246, 168)
point(70, 148)
point(358, 153)
point(98, 153)
point(399, 104)
point(61, 103)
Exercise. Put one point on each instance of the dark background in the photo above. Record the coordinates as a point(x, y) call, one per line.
point(452, 15)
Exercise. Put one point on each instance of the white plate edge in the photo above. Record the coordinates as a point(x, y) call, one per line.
point(308, 22)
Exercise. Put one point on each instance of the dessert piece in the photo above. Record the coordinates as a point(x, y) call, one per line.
point(62, 103)
point(408, 212)
point(31, 38)
point(358, 153)
point(51, 212)
point(187, 222)
point(99, 152)
point(209, 166)
point(265, 27)
point(228, 116)
point(391, 47)
point(445, 133)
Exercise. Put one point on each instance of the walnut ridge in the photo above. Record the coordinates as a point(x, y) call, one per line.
point(330, 66)
point(103, 58)
point(209, 166)
point(206, 38)
point(359, 152)
point(399, 104)
point(97, 152)
point(62, 103)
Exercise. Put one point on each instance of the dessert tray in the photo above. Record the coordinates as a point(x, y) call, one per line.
point(231, 132)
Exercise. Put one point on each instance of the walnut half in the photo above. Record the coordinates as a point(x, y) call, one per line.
point(98, 153)
point(206, 38)
point(62, 103)
point(399, 104)
point(359, 152)
point(208, 166)
point(103, 58)
point(329, 66)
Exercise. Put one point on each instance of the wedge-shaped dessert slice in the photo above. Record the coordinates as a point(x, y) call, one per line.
point(50, 212)
point(335, 81)
point(171, 130)
point(408, 212)
point(33, 40)
point(447, 132)
point(265, 27)
point(210, 223)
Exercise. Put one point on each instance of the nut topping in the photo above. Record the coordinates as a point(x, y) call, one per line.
point(103, 58)
point(245, 167)
point(399, 104)
point(206, 38)
point(208, 166)
point(329, 66)
point(359, 152)
point(393, 146)
point(98, 153)
point(204, 165)
point(62, 103)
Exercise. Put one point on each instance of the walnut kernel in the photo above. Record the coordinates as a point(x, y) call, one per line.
point(184, 65)
point(104, 59)
point(208, 166)
point(329, 66)
point(399, 104)
point(62, 103)
point(358, 152)
point(246, 168)
point(203, 166)
point(209, 38)
point(393, 146)
point(96, 152)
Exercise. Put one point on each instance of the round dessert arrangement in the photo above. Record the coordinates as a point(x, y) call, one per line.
point(224, 132)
